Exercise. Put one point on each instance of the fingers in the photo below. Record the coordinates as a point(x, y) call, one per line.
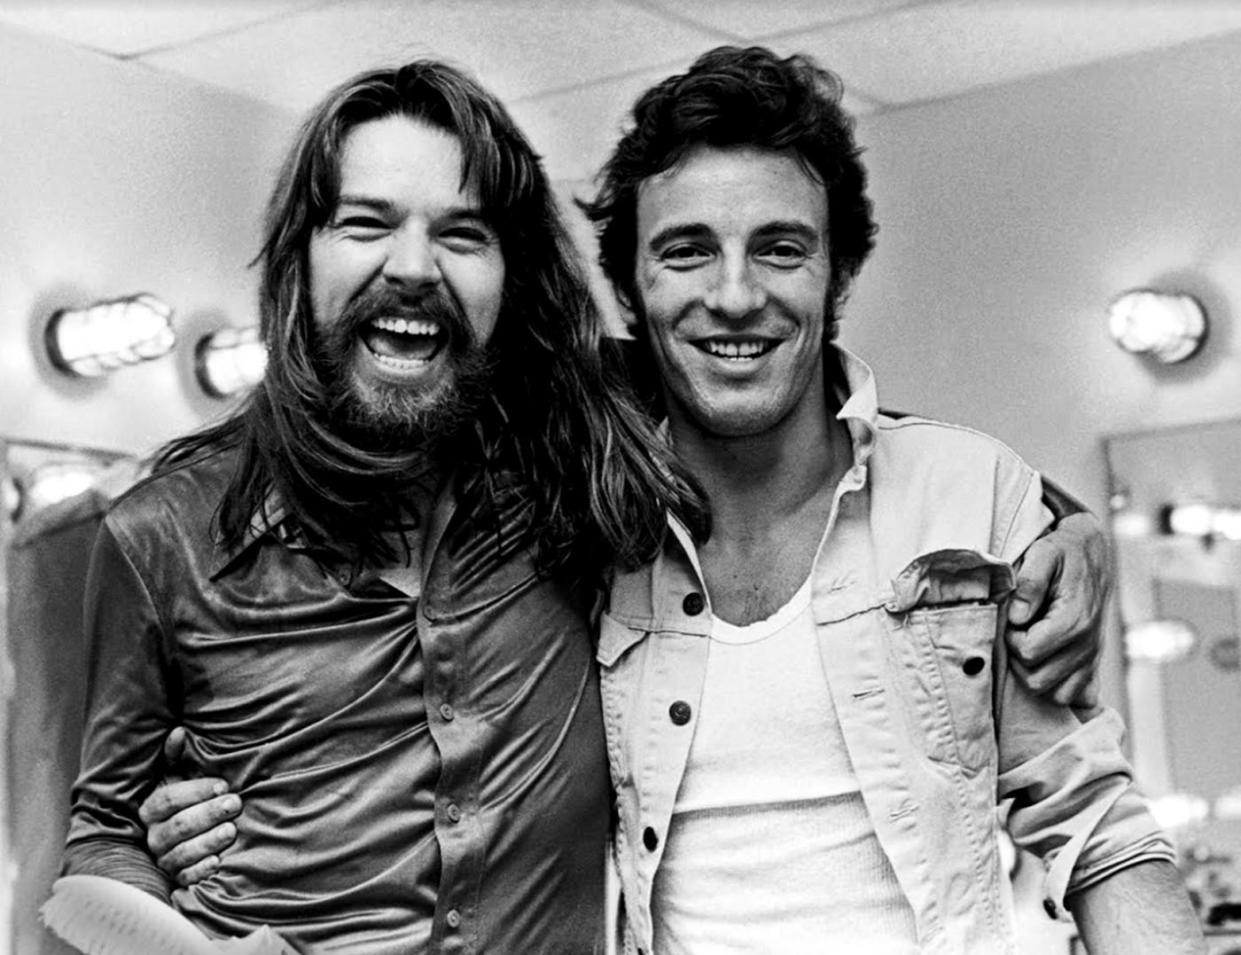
point(174, 745)
point(193, 859)
point(1080, 690)
point(192, 824)
point(1037, 573)
point(169, 799)
point(1073, 665)
point(196, 872)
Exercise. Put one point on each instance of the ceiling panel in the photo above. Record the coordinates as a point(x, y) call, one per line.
point(936, 50)
point(754, 20)
point(127, 27)
point(517, 49)
point(576, 129)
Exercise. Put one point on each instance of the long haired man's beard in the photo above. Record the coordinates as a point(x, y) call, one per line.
point(382, 416)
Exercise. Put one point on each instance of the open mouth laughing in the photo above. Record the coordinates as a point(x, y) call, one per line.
point(404, 343)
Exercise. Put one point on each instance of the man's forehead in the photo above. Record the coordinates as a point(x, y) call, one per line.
point(737, 183)
point(380, 152)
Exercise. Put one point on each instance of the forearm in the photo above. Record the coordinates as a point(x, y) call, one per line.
point(114, 859)
point(1141, 910)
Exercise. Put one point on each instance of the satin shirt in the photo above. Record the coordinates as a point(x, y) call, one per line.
point(416, 774)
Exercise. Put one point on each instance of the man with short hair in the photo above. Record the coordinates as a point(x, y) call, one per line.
point(810, 714)
point(366, 595)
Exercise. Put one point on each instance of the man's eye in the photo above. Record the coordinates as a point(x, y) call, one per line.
point(361, 224)
point(683, 255)
point(468, 238)
point(784, 253)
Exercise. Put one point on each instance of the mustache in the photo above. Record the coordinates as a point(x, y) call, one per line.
point(383, 301)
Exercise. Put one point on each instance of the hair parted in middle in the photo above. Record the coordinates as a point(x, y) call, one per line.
point(738, 97)
point(598, 479)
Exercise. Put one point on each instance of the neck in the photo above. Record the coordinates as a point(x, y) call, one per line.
point(758, 480)
point(771, 496)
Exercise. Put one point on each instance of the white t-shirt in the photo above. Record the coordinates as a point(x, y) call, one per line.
point(771, 849)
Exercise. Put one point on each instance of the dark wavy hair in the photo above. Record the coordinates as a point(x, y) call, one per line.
point(738, 97)
point(555, 424)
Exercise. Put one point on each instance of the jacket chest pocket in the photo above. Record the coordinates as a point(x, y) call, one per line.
point(944, 659)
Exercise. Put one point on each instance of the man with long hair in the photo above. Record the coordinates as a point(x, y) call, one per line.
point(809, 757)
point(366, 595)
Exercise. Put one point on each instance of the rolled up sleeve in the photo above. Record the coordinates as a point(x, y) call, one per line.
point(1074, 801)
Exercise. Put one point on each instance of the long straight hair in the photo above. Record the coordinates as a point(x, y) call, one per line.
point(556, 424)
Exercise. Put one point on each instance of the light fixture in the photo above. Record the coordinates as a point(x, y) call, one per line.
point(229, 360)
point(92, 341)
point(56, 481)
point(1169, 327)
point(1197, 519)
point(1160, 641)
point(1178, 810)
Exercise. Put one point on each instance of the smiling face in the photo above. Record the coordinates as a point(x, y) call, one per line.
point(406, 281)
point(732, 282)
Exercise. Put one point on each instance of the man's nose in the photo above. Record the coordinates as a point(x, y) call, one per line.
point(735, 292)
point(411, 263)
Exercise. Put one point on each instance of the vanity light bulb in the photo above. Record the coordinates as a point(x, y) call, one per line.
point(1169, 327)
point(1160, 641)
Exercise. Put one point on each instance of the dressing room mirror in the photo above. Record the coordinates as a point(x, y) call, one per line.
point(1176, 521)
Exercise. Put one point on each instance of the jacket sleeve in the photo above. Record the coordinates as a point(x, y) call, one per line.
point(1070, 791)
point(128, 715)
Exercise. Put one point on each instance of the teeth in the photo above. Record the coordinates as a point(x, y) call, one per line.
point(735, 349)
point(406, 326)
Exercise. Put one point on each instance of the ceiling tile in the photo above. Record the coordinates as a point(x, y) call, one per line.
point(516, 49)
point(751, 20)
point(127, 27)
point(575, 130)
point(931, 51)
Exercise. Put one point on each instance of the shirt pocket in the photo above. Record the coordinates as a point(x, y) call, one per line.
point(944, 659)
point(943, 622)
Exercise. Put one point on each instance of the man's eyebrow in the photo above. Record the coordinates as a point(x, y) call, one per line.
point(390, 208)
point(367, 202)
point(680, 230)
point(789, 227)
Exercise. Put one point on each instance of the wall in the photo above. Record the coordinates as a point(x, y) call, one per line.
point(117, 180)
point(1009, 219)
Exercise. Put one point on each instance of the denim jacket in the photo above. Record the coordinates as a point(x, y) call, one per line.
point(907, 595)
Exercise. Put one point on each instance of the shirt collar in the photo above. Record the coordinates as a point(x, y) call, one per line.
point(858, 398)
point(270, 517)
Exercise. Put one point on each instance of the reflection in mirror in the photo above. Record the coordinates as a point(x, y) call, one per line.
point(1176, 520)
point(53, 498)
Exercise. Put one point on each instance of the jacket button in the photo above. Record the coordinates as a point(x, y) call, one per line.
point(973, 666)
point(1050, 908)
point(680, 712)
point(649, 839)
point(693, 604)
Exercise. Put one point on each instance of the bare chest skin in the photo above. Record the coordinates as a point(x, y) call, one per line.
point(753, 572)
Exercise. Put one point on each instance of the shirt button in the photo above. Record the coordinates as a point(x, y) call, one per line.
point(680, 712)
point(453, 918)
point(693, 604)
point(649, 839)
point(973, 666)
point(453, 812)
point(1050, 908)
point(447, 712)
